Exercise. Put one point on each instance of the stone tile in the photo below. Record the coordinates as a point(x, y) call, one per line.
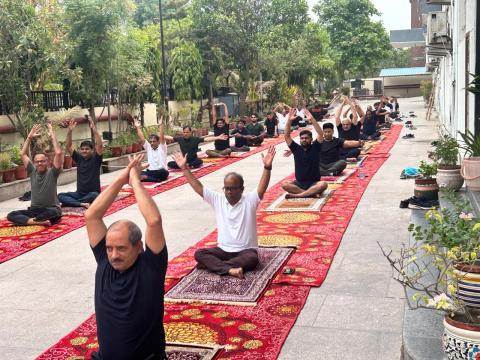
point(395, 290)
point(363, 284)
point(310, 309)
point(362, 261)
point(366, 313)
point(330, 344)
point(390, 347)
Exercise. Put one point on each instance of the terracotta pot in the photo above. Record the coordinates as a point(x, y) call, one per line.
point(67, 162)
point(426, 188)
point(471, 172)
point(20, 172)
point(136, 147)
point(449, 177)
point(8, 175)
point(129, 149)
point(460, 340)
point(116, 151)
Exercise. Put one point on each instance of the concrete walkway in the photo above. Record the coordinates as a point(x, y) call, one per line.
point(357, 312)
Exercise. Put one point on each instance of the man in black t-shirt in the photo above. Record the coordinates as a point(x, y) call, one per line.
point(89, 162)
point(331, 163)
point(189, 146)
point(241, 135)
point(220, 127)
point(306, 157)
point(348, 129)
point(129, 280)
point(271, 124)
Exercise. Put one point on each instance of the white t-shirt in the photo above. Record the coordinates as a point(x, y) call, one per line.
point(237, 225)
point(157, 159)
point(282, 120)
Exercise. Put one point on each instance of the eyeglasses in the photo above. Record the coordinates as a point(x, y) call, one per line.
point(231, 188)
point(40, 161)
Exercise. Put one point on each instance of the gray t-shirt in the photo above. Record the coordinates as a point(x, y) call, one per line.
point(44, 187)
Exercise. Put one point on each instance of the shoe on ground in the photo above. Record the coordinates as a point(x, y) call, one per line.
point(404, 203)
point(408, 136)
point(408, 122)
point(412, 127)
point(422, 203)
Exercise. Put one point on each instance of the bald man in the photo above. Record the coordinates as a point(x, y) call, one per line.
point(129, 281)
point(235, 213)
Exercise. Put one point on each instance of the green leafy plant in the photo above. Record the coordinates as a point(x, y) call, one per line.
point(5, 161)
point(445, 151)
point(471, 143)
point(426, 88)
point(16, 155)
point(426, 170)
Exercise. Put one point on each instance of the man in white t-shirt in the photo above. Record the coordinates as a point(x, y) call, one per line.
point(235, 213)
point(156, 149)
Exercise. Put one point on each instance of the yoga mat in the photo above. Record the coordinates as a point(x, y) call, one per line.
point(202, 286)
point(15, 240)
point(246, 332)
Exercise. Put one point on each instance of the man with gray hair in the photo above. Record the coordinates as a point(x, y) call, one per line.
point(129, 281)
point(235, 213)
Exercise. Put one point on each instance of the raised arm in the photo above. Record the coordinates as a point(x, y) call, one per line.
point(68, 140)
point(338, 113)
point(288, 126)
point(58, 158)
point(354, 112)
point(161, 131)
point(213, 138)
point(316, 126)
point(138, 127)
point(154, 236)
point(360, 111)
point(96, 228)
point(35, 132)
point(225, 111)
point(181, 161)
point(98, 138)
point(214, 114)
point(267, 171)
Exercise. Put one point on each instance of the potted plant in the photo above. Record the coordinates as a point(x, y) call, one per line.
point(445, 154)
point(426, 185)
point(116, 146)
point(6, 167)
point(20, 171)
point(439, 268)
point(471, 165)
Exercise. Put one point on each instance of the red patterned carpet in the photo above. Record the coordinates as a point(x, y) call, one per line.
point(257, 332)
point(17, 240)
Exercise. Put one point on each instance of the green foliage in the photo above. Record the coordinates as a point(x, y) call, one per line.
point(426, 170)
point(445, 151)
point(186, 69)
point(426, 88)
point(474, 85)
point(471, 143)
point(16, 155)
point(360, 42)
point(5, 161)
point(396, 58)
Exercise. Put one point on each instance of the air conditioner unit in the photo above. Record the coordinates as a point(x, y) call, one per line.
point(438, 30)
point(438, 2)
point(436, 51)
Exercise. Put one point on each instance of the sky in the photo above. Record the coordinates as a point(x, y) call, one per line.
point(395, 13)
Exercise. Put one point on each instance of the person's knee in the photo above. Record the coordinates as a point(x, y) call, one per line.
point(198, 255)
point(286, 184)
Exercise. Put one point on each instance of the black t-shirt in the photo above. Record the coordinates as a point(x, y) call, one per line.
point(129, 305)
point(240, 141)
point(330, 150)
point(189, 146)
point(221, 144)
point(88, 172)
point(352, 134)
point(270, 125)
point(306, 161)
point(369, 125)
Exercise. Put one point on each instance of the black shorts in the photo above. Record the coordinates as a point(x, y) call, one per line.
point(304, 185)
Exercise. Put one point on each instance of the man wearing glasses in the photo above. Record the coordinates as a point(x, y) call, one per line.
point(235, 213)
point(44, 208)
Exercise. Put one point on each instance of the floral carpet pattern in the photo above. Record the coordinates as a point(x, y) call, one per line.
point(16, 240)
point(256, 332)
point(202, 286)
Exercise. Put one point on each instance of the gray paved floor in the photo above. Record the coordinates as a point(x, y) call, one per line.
point(357, 313)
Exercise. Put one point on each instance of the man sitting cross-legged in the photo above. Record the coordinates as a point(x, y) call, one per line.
point(129, 281)
point(348, 129)
point(189, 146)
point(306, 157)
point(241, 135)
point(330, 162)
point(45, 207)
point(220, 127)
point(89, 162)
point(156, 149)
point(235, 213)
point(256, 132)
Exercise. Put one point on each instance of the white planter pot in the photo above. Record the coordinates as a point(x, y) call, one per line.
point(460, 341)
point(471, 172)
point(449, 178)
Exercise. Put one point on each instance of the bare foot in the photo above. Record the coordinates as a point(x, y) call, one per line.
point(41, 223)
point(85, 205)
point(290, 196)
point(236, 272)
point(143, 177)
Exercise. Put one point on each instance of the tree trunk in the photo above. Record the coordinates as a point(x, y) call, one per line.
point(244, 77)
